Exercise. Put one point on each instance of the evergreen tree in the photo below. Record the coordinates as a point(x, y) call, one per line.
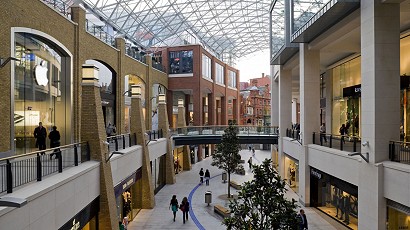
point(261, 203)
point(226, 156)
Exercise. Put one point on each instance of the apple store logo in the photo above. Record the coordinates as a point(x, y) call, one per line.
point(40, 72)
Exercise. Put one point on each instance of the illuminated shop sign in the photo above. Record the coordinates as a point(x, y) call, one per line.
point(352, 91)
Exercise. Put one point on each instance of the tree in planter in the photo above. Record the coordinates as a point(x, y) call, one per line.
point(226, 156)
point(261, 203)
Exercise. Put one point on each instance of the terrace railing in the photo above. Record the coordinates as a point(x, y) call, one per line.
point(340, 142)
point(98, 32)
point(399, 151)
point(121, 141)
point(19, 170)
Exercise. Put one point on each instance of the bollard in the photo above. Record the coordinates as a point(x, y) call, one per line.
point(208, 197)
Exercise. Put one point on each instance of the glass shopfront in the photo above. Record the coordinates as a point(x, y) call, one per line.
point(158, 173)
point(42, 91)
point(178, 159)
point(334, 197)
point(292, 173)
point(181, 62)
point(346, 97)
point(125, 194)
point(86, 219)
point(397, 219)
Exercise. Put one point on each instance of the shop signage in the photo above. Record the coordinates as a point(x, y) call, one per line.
point(316, 174)
point(127, 182)
point(352, 91)
point(40, 72)
point(83, 217)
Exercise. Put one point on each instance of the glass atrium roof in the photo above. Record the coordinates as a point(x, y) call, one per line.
point(229, 29)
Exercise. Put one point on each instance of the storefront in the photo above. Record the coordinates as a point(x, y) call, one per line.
point(398, 216)
point(125, 195)
point(86, 219)
point(42, 89)
point(334, 197)
point(158, 173)
point(292, 173)
point(178, 159)
point(346, 97)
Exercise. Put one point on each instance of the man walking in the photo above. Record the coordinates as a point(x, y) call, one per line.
point(303, 225)
point(40, 133)
point(201, 176)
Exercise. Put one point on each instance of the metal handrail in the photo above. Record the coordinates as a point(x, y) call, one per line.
point(342, 139)
point(41, 151)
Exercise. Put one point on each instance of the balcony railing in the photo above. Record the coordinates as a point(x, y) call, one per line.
point(340, 142)
point(60, 6)
point(23, 169)
point(158, 66)
point(220, 129)
point(293, 133)
point(121, 141)
point(135, 53)
point(154, 134)
point(399, 151)
point(98, 32)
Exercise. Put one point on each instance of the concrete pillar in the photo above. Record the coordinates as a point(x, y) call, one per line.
point(309, 113)
point(93, 131)
point(274, 96)
point(294, 110)
point(380, 97)
point(211, 110)
point(169, 159)
point(328, 76)
point(148, 92)
point(186, 165)
point(137, 125)
point(285, 110)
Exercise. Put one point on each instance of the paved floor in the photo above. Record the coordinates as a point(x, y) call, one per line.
point(202, 216)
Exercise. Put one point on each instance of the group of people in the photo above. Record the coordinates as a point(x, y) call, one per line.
point(40, 134)
point(184, 207)
point(207, 176)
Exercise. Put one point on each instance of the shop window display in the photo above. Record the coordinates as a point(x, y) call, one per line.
point(42, 91)
point(397, 219)
point(181, 62)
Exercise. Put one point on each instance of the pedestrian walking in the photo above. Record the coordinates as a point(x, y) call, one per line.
point(323, 133)
point(253, 151)
point(40, 133)
point(250, 162)
point(54, 137)
point(207, 177)
point(125, 222)
point(174, 205)
point(250, 148)
point(303, 224)
point(185, 209)
point(201, 176)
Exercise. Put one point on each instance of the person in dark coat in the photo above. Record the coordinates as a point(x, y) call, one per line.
point(40, 133)
point(54, 137)
point(207, 177)
point(201, 176)
point(303, 224)
point(184, 208)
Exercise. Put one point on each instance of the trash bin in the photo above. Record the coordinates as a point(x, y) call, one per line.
point(208, 197)
point(224, 176)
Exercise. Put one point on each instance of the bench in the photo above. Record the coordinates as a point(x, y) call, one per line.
point(235, 185)
point(221, 210)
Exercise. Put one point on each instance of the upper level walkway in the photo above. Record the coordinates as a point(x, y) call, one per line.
point(192, 135)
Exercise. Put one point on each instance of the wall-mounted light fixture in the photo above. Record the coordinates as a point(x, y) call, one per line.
point(3, 62)
point(90, 73)
point(180, 102)
point(161, 98)
point(135, 91)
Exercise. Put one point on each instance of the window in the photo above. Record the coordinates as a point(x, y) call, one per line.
point(232, 79)
point(206, 67)
point(219, 74)
point(180, 62)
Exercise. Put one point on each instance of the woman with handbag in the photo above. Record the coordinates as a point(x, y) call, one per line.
point(184, 208)
point(174, 205)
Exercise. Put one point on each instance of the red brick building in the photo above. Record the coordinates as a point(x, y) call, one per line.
point(255, 102)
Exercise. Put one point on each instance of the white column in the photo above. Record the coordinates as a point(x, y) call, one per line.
point(285, 110)
point(380, 97)
point(309, 113)
point(274, 95)
point(294, 110)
